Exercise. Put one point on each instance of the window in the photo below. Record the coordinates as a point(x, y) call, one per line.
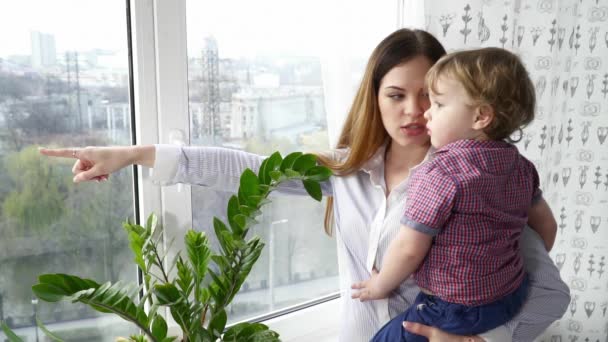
point(64, 82)
point(255, 84)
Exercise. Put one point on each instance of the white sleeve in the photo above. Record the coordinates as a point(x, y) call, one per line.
point(499, 334)
point(548, 295)
point(216, 167)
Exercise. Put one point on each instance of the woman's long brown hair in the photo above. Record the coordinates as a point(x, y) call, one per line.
point(363, 131)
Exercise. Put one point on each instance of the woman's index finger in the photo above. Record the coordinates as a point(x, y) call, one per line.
point(59, 152)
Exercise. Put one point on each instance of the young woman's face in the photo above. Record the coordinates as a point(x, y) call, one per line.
point(403, 99)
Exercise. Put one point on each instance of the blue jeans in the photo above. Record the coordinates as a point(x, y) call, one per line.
point(453, 318)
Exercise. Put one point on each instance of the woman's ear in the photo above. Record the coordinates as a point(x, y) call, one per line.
point(484, 117)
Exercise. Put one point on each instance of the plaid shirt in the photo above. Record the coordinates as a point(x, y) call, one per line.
point(473, 197)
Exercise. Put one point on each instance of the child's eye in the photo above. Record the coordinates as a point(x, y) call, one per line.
point(437, 104)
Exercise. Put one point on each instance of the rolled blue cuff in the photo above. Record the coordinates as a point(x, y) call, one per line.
point(423, 228)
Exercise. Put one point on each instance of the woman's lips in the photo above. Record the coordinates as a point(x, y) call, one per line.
point(413, 129)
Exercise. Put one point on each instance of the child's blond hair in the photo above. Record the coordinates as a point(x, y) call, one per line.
point(493, 77)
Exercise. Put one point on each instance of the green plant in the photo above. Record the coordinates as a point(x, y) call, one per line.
point(197, 296)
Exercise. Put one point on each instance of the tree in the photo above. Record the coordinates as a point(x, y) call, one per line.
point(38, 191)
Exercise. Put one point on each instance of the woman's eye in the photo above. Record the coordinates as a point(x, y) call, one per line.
point(396, 96)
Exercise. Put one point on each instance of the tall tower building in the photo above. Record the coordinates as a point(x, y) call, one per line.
point(211, 123)
point(44, 53)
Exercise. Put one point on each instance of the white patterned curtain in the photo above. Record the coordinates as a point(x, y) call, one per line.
point(564, 45)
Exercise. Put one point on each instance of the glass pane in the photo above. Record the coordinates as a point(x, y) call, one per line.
point(255, 84)
point(63, 82)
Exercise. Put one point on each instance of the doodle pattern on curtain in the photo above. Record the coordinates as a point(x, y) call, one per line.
point(564, 45)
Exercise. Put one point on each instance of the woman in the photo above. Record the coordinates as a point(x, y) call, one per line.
point(383, 140)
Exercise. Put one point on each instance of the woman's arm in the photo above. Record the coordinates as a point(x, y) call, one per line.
point(548, 296)
point(216, 167)
point(540, 218)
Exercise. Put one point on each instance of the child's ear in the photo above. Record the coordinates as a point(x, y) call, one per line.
point(484, 117)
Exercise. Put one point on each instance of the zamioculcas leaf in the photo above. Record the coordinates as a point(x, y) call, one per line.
point(304, 162)
point(159, 327)
point(151, 223)
point(241, 221)
point(167, 294)
point(314, 189)
point(107, 298)
point(291, 173)
point(12, 337)
point(197, 245)
point(289, 160)
point(233, 209)
point(318, 173)
point(273, 164)
point(250, 185)
point(246, 332)
point(275, 175)
point(262, 173)
point(218, 323)
point(49, 334)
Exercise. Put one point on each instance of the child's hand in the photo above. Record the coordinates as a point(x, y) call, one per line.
point(368, 289)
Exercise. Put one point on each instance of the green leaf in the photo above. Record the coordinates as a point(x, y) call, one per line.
point(159, 327)
point(275, 175)
point(262, 173)
point(273, 164)
point(197, 245)
point(318, 173)
point(249, 211)
point(167, 294)
point(12, 337)
point(314, 189)
point(233, 210)
point(218, 323)
point(246, 331)
point(304, 162)
point(49, 334)
point(151, 223)
point(264, 336)
point(289, 160)
point(241, 221)
point(101, 298)
point(185, 278)
point(292, 174)
point(249, 185)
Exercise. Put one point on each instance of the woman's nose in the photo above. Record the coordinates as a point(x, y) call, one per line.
point(413, 107)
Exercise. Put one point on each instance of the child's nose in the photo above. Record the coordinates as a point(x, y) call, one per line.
point(427, 114)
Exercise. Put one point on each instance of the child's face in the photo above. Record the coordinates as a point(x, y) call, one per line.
point(451, 116)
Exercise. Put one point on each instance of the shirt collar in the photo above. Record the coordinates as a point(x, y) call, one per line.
point(471, 144)
point(375, 165)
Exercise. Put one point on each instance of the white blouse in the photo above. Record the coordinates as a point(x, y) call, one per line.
point(366, 222)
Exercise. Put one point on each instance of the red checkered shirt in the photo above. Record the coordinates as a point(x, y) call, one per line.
point(473, 197)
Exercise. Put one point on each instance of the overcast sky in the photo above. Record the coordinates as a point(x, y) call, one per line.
point(241, 27)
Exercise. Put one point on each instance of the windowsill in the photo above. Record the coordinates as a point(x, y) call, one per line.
point(316, 323)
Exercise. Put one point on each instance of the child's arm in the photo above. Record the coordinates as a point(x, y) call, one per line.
point(405, 253)
point(540, 218)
